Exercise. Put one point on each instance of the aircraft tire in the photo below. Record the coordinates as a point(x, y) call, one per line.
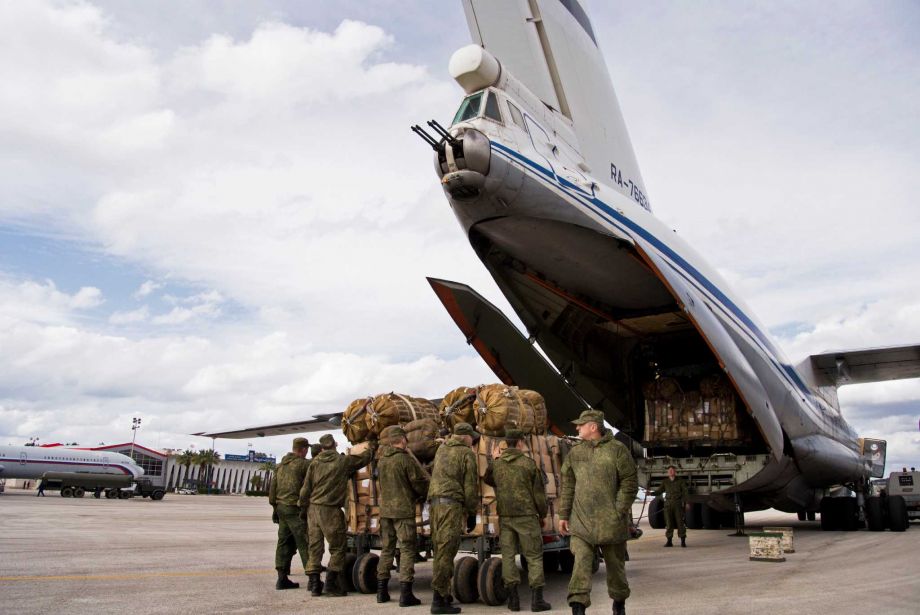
point(656, 514)
point(875, 514)
point(830, 516)
point(849, 514)
point(710, 517)
point(898, 520)
point(693, 518)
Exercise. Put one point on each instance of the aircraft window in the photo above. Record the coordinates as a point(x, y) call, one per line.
point(516, 115)
point(469, 108)
point(492, 111)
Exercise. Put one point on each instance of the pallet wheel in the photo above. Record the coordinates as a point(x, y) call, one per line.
point(491, 588)
point(349, 570)
point(566, 561)
point(710, 517)
point(656, 514)
point(364, 575)
point(875, 514)
point(466, 578)
point(550, 562)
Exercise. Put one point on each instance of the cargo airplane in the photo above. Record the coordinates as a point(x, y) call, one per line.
point(539, 170)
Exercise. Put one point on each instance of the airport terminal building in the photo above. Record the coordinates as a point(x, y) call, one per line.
point(232, 474)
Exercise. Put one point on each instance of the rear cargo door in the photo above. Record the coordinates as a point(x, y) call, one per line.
point(506, 351)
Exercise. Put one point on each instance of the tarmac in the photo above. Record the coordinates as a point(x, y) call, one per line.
point(215, 554)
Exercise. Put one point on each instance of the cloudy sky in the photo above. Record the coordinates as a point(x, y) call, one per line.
point(214, 215)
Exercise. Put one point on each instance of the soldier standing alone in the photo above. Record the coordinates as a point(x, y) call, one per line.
point(452, 496)
point(521, 495)
point(598, 488)
point(283, 495)
point(675, 497)
point(402, 483)
point(323, 495)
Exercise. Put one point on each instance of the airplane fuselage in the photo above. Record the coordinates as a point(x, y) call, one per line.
point(34, 461)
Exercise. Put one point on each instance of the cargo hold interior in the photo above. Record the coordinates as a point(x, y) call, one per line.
point(615, 332)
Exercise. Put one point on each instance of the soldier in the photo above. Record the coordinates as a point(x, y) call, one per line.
point(675, 497)
point(315, 449)
point(402, 483)
point(452, 495)
point(283, 496)
point(323, 495)
point(598, 488)
point(521, 495)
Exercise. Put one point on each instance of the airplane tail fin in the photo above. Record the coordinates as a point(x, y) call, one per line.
point(552, 48)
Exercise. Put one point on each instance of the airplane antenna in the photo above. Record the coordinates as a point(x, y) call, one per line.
point(427, 138)
point(442, 131)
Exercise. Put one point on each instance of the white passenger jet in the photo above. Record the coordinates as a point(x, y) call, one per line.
point(34, 461)
point(538, 168)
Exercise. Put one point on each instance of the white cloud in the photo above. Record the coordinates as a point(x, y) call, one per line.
point(141, 314)
point(147, 288)
point(43, 302)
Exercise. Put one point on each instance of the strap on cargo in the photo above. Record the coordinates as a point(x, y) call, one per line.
point(409, 403)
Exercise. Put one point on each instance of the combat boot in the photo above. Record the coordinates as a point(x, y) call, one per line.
point(315, 585)
point(537, 603)
point(406, 597)
point(335, 584)
point(284, 582)
point(577, 608)
point(669, 543)
point(683, 541)
point(619, 607)
point(383, 592)
point(440, 606)
point(514, 601)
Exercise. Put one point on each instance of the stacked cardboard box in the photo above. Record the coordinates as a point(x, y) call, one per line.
point(680, 416)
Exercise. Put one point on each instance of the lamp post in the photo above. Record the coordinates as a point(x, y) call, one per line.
point(135, 425)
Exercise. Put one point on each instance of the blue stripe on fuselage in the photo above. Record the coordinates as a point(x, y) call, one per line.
point(683, 267)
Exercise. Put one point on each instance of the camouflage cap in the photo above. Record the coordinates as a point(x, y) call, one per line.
point(301, 443)
point(590, 416)
point(327, 441)
point(393, 432)
point(315, 449)
point(464, 429)
point(512, 433)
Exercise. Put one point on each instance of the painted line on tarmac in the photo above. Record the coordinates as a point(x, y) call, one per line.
point(140, 575)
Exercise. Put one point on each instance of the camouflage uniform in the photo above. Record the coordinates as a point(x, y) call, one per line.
point(675, 496)
point(453, 493)
point(283, 496)
point(324, 493)
point(521, 495)
point(402, 483)
point(598, 488)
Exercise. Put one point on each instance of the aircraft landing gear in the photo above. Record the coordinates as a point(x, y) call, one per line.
point(739, 517)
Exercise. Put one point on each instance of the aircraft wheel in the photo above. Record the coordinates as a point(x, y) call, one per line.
point(464, 584)
point(693, 517)
point(802, 515)
point(66, 492)
point(849, 514)
point(830, 516)
point(875, 514)
point(710, 517)
point(898, 521)
point(79, 492)
point(656, 514)
point(491, 588)
point(364, 575)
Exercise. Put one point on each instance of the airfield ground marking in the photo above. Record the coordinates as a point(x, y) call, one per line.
point(120, 577)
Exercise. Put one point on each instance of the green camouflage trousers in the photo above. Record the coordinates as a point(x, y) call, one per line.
point(292, 536)
point(326, 523)
point(447, 525)
point(674, 517)
point(614, 561)
point(399, 532)
point(521, 535)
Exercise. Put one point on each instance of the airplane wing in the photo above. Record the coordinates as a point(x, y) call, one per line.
point(321, 422)
point(869, 365)
point(551, 47)
point(504, 349)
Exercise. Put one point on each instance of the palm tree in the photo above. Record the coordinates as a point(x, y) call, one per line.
point(256, 481)
point(207, 458)
point(186, 458)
